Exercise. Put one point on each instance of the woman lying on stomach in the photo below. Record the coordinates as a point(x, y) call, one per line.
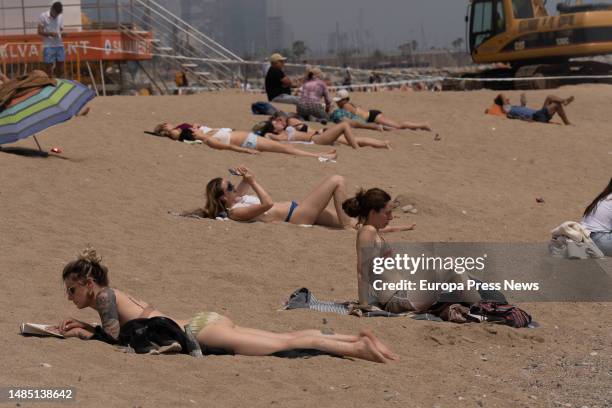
point(87, 285)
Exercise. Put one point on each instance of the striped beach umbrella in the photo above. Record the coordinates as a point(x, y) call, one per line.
point(52, 105)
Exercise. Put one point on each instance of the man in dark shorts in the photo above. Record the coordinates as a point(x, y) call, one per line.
point(278, 84)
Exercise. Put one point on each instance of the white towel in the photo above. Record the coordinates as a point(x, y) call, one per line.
point(573, 230)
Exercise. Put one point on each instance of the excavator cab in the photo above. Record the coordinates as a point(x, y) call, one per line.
point(487, 19)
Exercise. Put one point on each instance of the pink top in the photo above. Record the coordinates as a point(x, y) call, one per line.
point(314, 90)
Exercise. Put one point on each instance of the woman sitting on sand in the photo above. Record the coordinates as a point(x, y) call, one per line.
point(598, 219)
point(234, 140)
point(87, 285)
point(341, 133)
point(373, 209)
point(350, 111)
point(313, 91)
point(223, 199)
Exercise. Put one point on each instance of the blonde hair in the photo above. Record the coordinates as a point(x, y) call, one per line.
point(160, 131)
point(87, 265)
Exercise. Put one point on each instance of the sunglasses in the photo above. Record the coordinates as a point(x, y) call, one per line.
point(230, 187)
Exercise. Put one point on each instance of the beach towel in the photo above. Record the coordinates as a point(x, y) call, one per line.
point(304, 299)
point(495, 110)
point(571, 240)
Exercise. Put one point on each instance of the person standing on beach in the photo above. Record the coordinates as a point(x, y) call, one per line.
point(348, 77)
point(50, 27)
point(278, 84)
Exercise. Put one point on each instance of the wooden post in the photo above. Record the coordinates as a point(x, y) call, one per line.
point(78, 64)
point(102, 78)
point(93, 80)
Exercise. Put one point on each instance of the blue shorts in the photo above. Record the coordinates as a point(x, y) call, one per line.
point(542, 116)
point(250, 142)
point(53, 54)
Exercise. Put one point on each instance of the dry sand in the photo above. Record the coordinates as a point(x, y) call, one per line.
point(114, 185)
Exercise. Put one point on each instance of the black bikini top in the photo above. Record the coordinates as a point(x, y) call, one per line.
point(186, 134)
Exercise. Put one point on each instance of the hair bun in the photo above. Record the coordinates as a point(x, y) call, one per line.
point(352, 206)
point(90, 255)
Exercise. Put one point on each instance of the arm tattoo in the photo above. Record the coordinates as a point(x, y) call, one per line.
point(106, 304)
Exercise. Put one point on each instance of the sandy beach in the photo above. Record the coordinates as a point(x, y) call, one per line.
point(113, 187)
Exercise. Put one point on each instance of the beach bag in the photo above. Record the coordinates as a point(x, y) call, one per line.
point(263, 108)
point(502, 313)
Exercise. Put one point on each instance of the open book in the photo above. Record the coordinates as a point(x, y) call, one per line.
point(33, 329)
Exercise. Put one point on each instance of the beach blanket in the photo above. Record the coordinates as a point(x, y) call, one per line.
point(304, 299)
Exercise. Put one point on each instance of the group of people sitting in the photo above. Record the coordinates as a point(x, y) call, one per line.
point(315, 104)
point(281, 130)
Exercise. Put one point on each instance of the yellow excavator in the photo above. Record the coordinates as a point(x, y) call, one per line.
point(532, 43)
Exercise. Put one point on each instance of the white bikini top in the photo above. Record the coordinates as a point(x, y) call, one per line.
point(223, 135)
point(246, 201)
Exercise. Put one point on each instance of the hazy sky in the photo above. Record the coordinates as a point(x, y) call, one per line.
point(391, 22)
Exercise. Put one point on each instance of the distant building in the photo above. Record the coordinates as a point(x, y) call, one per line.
point(280, 35)
point(246, 27)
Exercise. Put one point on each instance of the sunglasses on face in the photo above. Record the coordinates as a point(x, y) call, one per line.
point(230, 187)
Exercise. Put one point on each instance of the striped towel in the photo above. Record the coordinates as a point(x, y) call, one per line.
point(304, 299)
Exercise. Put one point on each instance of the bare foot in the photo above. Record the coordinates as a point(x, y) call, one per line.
point(388, 144)
point(84, 111)
point(523, 99)
point(366, 350)
point(386, 352)
point(381, 128)
point(568, 101)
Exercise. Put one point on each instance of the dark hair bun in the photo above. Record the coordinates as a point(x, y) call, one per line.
point(353, 207)
point(364, 202)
